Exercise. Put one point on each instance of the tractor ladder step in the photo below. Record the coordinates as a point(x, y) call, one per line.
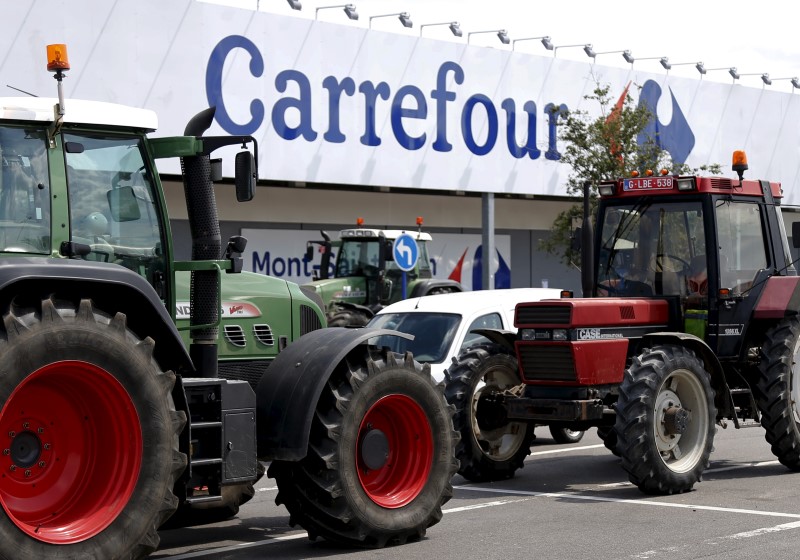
point(746, 413)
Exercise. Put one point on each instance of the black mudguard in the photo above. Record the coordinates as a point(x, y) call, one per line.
point(505, 339)
point(112, 288)
point(423, 287)
point(287, 394)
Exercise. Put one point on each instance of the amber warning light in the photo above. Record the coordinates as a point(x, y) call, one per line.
point(57, 59)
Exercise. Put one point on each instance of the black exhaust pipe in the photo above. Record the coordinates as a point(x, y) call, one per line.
point(206, 245)
point(587, 244)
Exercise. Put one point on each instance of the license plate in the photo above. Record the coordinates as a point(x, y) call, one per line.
point(648, 183)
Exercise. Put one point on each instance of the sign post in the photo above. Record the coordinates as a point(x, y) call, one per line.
point(406, 254)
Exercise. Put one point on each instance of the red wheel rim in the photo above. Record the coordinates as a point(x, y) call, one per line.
point(71, 452)
point(410, 451)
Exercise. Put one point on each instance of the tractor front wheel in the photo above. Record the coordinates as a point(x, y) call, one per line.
point(778, 391)
point(665, 420)
point(380, 455)
point(90, 436)
point(491, 446)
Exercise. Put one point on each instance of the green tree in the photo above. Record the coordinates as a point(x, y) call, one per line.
point(603, 148)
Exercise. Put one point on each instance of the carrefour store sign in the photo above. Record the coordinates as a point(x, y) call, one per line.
point(333, 103)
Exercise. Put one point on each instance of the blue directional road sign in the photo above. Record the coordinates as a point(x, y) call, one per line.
point(406, 252)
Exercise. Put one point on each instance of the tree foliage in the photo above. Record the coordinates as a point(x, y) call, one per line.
point(603, 148)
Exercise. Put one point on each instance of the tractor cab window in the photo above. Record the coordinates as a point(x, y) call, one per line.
point(651, 249)
point(741, 245)
point(111, 203)
point(358, 257)
point(24, 191)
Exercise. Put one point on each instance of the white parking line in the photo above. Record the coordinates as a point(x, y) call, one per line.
point(584, 497)
point(235, 547)
point(714, 541)
point(566, 449)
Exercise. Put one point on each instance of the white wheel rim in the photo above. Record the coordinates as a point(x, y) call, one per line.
point(793, 385)
point(501, 443)
point(681, 452)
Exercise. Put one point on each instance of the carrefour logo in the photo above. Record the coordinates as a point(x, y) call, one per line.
point(676, 137)
point(407, 103)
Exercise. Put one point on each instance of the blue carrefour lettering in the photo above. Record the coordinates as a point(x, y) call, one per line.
point(371, 93)
point(442, 96)
point(554, 113)
point(511, 130)
point(293, 112)
point(301, 104)
point(466, 124)
point(399, 113)
point(214, 84)
point(335, 89)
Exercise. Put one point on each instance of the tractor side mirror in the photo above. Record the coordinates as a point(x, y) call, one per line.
point(796, 235)
point(123, 205)
point(388, 253)
point(246, 176)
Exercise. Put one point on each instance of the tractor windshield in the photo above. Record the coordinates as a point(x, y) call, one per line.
point(652, 248)
point(358, 257)
point(24, 191)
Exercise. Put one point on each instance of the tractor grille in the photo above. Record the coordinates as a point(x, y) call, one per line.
point(547, 363)
point(721, 183)
point(263, 334)
point(250, 371)
point(309, 320)
point(559, 315)
point(235, 335)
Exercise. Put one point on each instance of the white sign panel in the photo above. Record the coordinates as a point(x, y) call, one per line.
point(281, 253)
point(340, 104)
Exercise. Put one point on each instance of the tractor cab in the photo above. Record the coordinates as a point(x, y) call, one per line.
point(706, 244)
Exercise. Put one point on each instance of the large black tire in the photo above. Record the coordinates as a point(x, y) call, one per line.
point(348, 318)
point(609, 436)
point(665, 420)
point(565, 435)
point(491, 447)
point(91, 436)
point(778, 391)
point(380, 455)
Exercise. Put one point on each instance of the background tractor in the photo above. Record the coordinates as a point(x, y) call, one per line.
point(110, 424)
point(689, 320)
point(366, 277)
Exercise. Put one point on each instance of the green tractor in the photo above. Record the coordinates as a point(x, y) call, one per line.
point(136, 389)
point(366, 277)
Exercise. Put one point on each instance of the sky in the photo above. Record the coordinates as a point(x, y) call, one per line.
point(754, 37)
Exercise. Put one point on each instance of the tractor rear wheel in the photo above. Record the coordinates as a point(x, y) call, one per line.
point(491, 446)
point(90, 436)
point(665, 420)
point(778, 391)
point(380, 455)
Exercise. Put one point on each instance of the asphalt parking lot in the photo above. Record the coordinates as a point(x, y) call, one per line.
point(570, 501)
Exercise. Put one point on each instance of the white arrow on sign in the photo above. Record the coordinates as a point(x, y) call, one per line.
point(405, 251)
